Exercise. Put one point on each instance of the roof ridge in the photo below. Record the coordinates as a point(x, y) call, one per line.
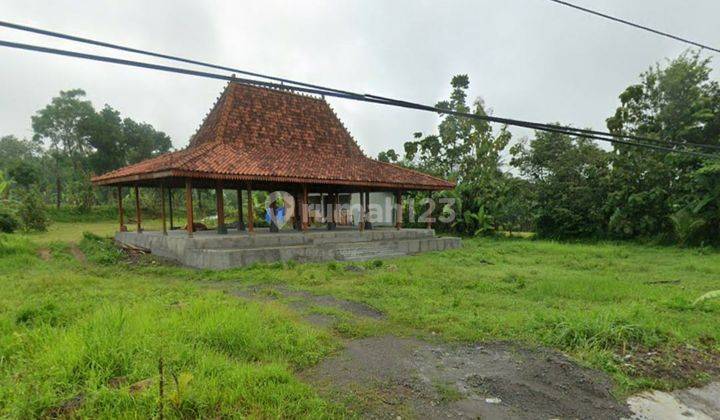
point(342, 124)
point(224, 113)
point(288, 90)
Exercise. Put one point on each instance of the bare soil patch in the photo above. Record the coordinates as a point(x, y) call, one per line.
point(44, 254)
point(386, 377)
point(303, 300)
point(679, 365)
point(77, 253)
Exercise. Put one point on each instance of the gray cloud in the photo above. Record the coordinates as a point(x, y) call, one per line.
point(527, 59)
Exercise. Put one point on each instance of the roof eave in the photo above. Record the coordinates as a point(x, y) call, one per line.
point(109, 181)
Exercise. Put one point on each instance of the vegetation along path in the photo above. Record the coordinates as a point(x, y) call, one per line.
point(499, 328)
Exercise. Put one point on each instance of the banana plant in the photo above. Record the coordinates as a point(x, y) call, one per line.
point(485, 222)
point(4, 186)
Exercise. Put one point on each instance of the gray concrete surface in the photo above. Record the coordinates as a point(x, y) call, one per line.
point(208, 250)
point(693, 403)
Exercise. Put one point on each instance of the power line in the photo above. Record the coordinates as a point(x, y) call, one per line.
point(366, 98)
point(157, 55)
point(636, 25)
point(328, 90)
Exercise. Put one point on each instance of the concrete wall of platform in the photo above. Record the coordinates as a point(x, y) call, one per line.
point(208, 250)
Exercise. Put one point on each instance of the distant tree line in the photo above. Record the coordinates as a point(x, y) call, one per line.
point(565, 187)
point(71, 141)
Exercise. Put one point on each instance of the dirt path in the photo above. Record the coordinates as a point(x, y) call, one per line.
point(391, 377)
point(387, 377)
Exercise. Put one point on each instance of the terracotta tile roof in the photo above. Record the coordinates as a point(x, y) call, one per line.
point(255, 133)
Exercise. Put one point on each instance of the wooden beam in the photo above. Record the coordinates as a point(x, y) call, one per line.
point(333, 198)
point(398, 210)
point(305, 215)
point(121, 211)
point(362, 211)
point(162, 208)
point(241, 223)
point(170, 207)
point(138, 216)
point(251, 211)
point(189, 207)
point(367, 208)
point(220, 204)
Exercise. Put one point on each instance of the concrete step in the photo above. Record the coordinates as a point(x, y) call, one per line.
point(294, 238)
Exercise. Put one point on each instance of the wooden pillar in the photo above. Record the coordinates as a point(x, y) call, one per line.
point(241, 223)
point(121, 211)
point(189, 207)
point(250, 210)
point(305, 215)
point(298, 211)
point(138, 216)
point(336, 210)
point(332, 207)
point(162, 209)
point(398, 210)
point(361, 213)
point(170, 208)
point(367, 210)
point(323, 215)
point(220, 204)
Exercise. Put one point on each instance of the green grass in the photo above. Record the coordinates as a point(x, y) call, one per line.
point(71, 331)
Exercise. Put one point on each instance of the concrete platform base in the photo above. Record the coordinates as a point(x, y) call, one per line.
point(217, 252)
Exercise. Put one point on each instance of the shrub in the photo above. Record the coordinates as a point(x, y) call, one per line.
point(12, 245)
point(8, 222)
point(32, 212)
point(99, 250)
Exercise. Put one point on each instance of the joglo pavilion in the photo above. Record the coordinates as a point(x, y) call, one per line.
point(260, 139)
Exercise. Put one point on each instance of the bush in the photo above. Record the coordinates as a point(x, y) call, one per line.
point(32, 212)
point(99, 250)
point(8, 222)
point(13, 245)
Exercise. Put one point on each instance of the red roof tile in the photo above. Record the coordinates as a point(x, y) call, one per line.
point(255, 133)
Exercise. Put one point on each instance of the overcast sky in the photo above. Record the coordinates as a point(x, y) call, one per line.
point(528, 59)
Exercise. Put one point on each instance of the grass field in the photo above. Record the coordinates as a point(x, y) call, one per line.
point(87, 338)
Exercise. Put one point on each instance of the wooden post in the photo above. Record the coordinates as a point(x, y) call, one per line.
point(241, 224)
point(162, 208)
point(189, 207)
point(297, 222)
point(138, 216)
point(367, 210)
point(250, 210)
point(121, 211)
point(398, 210)
point(305, 215)
point(362, 211)
point(220, 204)
point(170, 208)
point(332, 208)
point(336, 210)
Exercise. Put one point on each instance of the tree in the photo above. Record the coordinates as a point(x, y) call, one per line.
point(388, 156)
point(467, 150)
point(58, 124)
point(104, 133)
point(141, 141)
point(14, 150)
point(24, 173)
point(569, 177)
point(677, 103)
